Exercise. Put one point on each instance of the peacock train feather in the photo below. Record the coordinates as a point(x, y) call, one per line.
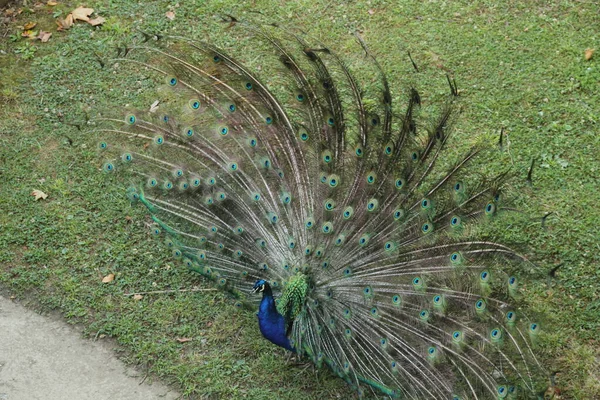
point(346, 209)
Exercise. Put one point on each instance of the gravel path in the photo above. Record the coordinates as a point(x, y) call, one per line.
point(44, 358)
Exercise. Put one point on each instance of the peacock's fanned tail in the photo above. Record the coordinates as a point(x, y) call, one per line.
point(349, 204)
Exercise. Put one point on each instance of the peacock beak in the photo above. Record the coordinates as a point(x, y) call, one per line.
point(258, 289)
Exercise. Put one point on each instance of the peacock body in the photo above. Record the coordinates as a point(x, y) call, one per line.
point(346, 215)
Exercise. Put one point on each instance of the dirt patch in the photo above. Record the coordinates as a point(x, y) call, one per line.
point(44, 358)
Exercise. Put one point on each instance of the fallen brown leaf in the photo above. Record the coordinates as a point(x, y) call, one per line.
point(108, 278)
point(28, 26)
point(44, 36)
point(29, 34)
point(184, 339)
point(38, 194)
point(371, 11)
point(82, 13)
point(170, 15)
point(51, 3)
point(64, 24)
point(137, 297)
point(97, 21)
point(589, 53)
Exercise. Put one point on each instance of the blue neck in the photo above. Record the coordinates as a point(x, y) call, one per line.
point(272, 324)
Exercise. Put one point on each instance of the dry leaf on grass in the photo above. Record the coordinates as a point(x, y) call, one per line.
point(28, 26)
point(170, 15)
point(64, 24)
point(137, 297)
point(38, 194)
point(79, 14)
point(82, 13)
point(44, 36)
point(589, 53)
point(184, 339)
point(51, 3)
point(108, 278)
point(97, 21)
point(29, 34)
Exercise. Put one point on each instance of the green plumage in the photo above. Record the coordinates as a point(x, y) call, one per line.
point(348, 205)
point(293, 296)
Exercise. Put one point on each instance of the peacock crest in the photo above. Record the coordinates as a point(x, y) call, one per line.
point(349, 208)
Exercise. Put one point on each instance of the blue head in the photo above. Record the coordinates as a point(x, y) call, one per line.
point(261, 286)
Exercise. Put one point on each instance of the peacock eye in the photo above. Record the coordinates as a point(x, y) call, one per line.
point(108, 167)
point(194, 104)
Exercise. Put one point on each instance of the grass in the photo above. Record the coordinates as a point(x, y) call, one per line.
point(519, 65)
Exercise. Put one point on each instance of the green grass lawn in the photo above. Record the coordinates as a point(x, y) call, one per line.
point(519, 65)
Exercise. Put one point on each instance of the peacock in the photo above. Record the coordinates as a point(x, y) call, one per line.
point(346, 219)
